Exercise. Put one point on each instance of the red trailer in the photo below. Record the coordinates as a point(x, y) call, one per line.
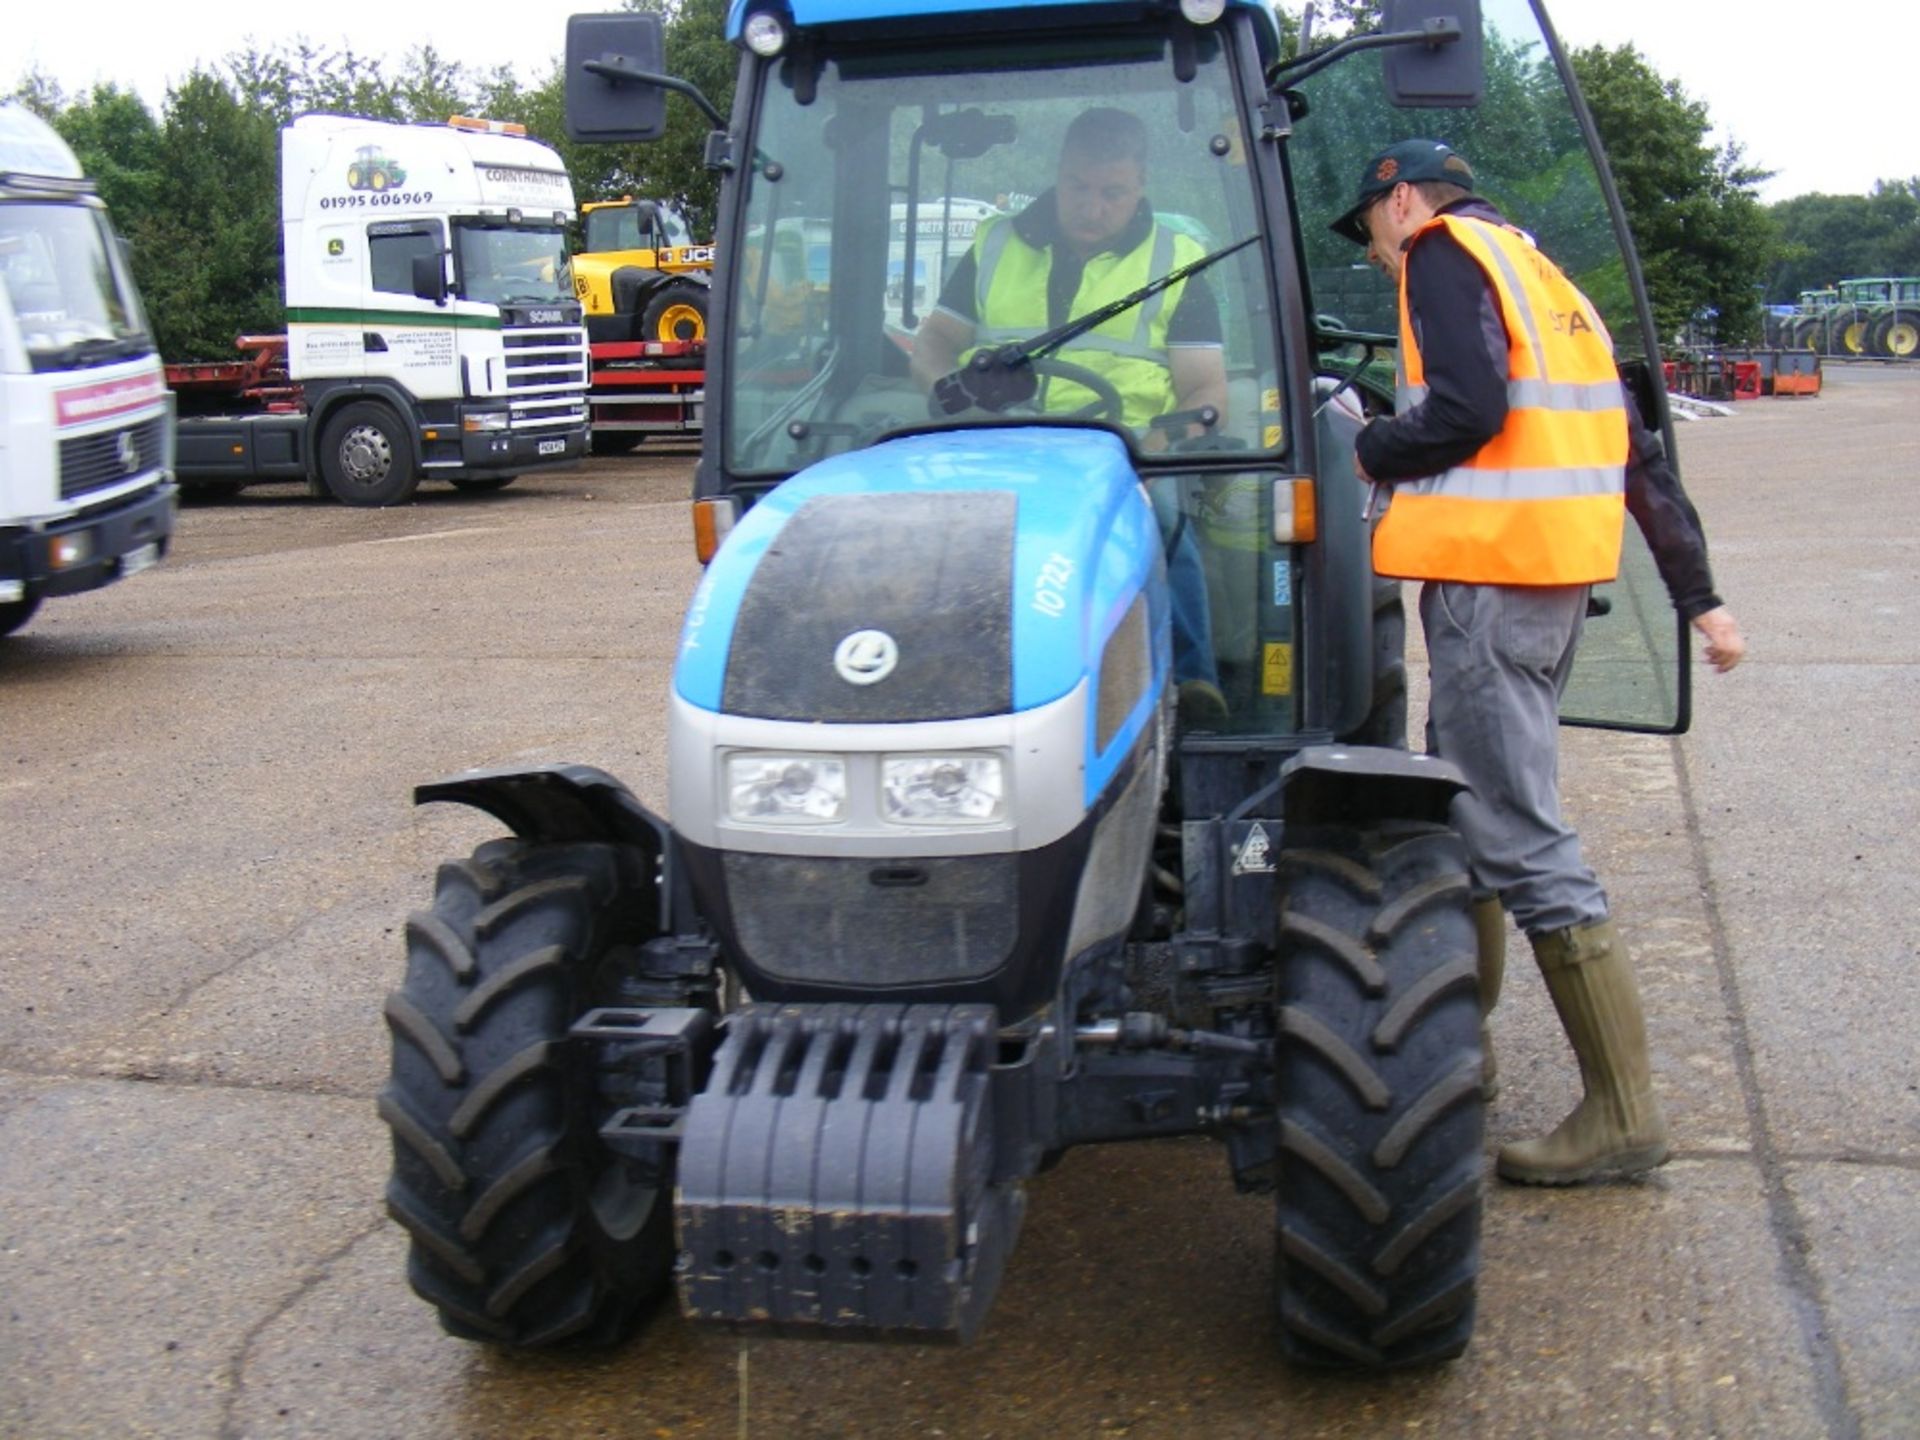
point(645, 387)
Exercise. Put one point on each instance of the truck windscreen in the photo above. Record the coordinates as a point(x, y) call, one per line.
point(512, 264)
point(62, 278)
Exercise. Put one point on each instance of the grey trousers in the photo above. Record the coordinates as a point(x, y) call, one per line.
point(1499, 658)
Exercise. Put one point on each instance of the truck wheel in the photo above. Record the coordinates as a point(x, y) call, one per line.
point(1380, 1114)
point(676, 311)
point(482, 484)
point(15, 613)
point(526, 1230)
point(614, 442)
point(366, 456)
point(208, 491)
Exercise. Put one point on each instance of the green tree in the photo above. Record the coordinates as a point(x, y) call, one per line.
point(1706, 244)
point(207, 252)
point(1825, 238)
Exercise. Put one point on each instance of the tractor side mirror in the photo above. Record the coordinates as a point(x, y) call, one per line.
point(430, 277)
point(1450, 69)
point(613, 75)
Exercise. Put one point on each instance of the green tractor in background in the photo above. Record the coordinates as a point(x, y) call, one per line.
point(1860, 317)
point(1806, 328)
point(1892, 324)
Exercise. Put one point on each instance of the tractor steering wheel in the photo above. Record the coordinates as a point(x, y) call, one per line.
point(1108, 404)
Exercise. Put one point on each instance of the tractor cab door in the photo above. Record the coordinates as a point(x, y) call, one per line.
point(1535, 157)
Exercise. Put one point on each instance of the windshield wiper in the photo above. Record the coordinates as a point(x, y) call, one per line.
point(999, 376)
point(94, 350)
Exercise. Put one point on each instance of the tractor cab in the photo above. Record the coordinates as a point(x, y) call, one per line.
point(877, 141)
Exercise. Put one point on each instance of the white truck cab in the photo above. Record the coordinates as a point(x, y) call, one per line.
point(86, 424)
point(432, 329)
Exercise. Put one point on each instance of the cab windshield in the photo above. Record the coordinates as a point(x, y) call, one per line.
point(907, 208)
point(513, 264)
point(61, 274)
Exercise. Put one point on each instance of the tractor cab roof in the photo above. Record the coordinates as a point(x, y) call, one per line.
point(945, 14)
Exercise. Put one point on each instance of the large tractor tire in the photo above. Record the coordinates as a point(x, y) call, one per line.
point(1896, 335)
point(15, 613)
point(676, 311)
point(1386, 722)
point(1847, 332)
point(526, 1230)
point(1380, 1114)
point(1803, 333)
point(366, 456)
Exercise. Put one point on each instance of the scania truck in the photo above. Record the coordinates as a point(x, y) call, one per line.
point(86, 434)
point(432, 329)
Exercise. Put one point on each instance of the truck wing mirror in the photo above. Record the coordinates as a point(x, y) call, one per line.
point(613, 73)
point(1450, 71)
point(430, 277)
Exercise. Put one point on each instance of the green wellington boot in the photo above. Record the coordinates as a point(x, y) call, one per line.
point(1490, 935)
point(1617, 1129)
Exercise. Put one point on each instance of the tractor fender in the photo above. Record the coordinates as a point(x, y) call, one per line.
point(579, 804)
point(629, 286)
point(563, 804)
point(1361, 784)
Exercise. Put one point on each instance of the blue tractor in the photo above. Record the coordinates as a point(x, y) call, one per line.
point(1038, 763)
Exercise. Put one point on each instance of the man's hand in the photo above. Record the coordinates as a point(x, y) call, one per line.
point(1726, 646)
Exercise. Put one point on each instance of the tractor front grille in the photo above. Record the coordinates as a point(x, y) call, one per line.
point(874, 922)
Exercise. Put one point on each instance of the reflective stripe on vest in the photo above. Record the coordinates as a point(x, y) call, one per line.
point(1129, 350)
point(1543, 502)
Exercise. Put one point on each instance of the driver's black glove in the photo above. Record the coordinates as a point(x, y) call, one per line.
point(994, 380)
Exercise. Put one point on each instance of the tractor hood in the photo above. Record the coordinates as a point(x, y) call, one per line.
point(985, 571)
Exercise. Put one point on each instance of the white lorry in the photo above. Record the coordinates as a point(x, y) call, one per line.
point(86, 428)
point(432, 329)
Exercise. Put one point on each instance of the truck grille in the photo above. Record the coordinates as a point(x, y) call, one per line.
point(94, 462)
point(546, 376)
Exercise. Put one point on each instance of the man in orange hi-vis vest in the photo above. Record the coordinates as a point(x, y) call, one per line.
point(1512, 461)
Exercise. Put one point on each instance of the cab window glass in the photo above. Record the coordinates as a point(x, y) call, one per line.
point(391, 251)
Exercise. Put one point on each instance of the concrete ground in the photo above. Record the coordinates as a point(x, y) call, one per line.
point(209, 850)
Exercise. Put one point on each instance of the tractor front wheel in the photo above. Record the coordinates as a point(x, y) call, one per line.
point(1380, 1116)
point(527, 1231)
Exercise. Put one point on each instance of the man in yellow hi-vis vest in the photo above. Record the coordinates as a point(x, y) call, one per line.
point(1507, 462)
point(1091, 240)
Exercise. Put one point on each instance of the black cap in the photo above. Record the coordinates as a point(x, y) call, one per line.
point(1408, 160)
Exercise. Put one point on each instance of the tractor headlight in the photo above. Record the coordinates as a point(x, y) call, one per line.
point(943, 789)
point(786, 788)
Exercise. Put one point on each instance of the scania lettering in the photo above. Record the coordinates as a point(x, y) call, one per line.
point(432, 331)
point(86, 433)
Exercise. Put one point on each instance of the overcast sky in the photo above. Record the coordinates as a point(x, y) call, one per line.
point(1823, 97)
